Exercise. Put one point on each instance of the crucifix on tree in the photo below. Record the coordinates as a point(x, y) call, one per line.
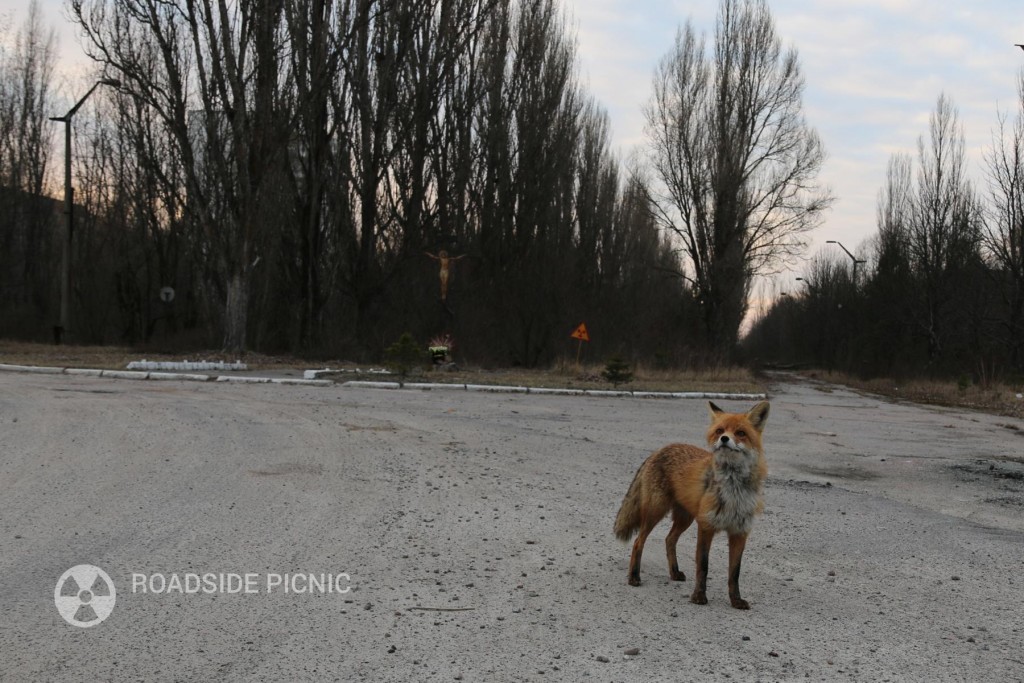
point(445, 273)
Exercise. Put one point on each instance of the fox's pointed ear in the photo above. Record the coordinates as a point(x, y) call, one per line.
point(715, 410)
point(758, 415)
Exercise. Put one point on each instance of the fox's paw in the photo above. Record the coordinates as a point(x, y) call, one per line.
point(676, 575)
point(634, 580)
point(699, 598)
point(739, 603)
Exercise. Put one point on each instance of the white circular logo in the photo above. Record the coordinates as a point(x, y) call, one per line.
point(84, 595)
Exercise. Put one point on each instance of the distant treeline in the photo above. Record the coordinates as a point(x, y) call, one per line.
point(288, 175)
point(292, 169)
point(941, 288)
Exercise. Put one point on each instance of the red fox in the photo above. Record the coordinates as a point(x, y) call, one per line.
point(721, 489)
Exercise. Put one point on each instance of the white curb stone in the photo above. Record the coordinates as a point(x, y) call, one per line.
point(84, 372)
point(496, 389)
point(607, 393)
point(371, 385)
point(302, 382)
point(183, 377)
point(428, 386)
point(36, 369)
point(124, 374)
point(556, 392)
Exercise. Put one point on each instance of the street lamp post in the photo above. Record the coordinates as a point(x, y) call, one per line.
point(64, 325)
point(852, 257)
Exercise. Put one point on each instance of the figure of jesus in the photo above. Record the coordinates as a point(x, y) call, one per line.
point(445, 274)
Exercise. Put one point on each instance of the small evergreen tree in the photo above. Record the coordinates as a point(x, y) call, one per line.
point(403, 356)
point(617, 371)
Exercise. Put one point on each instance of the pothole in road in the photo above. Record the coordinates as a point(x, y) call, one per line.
point(1011, 470)
point(283, 468)
point(841, 472)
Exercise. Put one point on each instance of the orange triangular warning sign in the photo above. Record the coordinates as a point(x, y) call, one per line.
point(581, 333)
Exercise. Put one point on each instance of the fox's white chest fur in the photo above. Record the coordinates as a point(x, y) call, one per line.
point(737, 496)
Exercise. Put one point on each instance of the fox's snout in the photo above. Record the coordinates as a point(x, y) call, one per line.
point(724, 441)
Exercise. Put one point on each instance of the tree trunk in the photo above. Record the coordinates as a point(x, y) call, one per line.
point(236, 313)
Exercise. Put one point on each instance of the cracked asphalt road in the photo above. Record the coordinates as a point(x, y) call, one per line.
point(474, 532)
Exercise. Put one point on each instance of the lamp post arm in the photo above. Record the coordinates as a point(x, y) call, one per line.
point(840, 244)
point(113, 82)
point(78, 105)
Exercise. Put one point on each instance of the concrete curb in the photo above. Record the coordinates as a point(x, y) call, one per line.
point(302, 382)
point(32, 368)
point(125, 374)
point(312, 381)
point(83, 372)
point(541, 391)
point(428, 386)
point(497, 389)
point(171, 376)
point(355, 384)
point(243, 379)
point(186, 365)
point(317, 374)
point(183, 377)
point(557, 392)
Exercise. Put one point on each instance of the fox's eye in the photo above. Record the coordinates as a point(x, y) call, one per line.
point(719, 431)
point(741, 433)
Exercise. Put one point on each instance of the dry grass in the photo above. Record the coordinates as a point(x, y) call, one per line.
point(997, 398)
point(568, 376)
point(561, 375)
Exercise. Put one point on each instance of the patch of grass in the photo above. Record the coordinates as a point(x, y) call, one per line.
point(996, 398)
point(565, 375)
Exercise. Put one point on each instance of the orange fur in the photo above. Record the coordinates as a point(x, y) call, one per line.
point(720, 489)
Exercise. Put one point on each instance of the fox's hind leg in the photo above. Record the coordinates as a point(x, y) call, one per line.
point(646, 526)
point(681, 521)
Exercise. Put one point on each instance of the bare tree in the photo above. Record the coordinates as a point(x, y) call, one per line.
point(26, 219)
point(736, 161)
point(291, 162)
point(945, 230)
point(210, 69)
point(305, 248)
point(1004, 233)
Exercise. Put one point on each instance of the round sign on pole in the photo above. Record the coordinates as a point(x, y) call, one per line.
point(167, 294)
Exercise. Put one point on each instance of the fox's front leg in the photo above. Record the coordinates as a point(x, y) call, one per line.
point(681, 520)
point(704, 536)
point(737, 542)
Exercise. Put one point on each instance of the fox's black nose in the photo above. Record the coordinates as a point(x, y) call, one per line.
point(725, 439)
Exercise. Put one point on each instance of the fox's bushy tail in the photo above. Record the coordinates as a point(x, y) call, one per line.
point(628, 519)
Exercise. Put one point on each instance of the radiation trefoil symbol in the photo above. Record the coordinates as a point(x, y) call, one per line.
point(84, 595)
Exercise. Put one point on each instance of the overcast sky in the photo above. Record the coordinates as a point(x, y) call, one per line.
point(874, 70)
